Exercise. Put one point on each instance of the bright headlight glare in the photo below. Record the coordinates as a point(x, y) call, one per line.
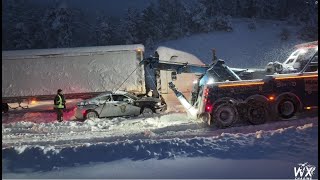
point(303, 51)
point(210, 81)
point(195, 81)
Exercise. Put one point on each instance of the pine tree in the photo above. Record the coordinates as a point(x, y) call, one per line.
point(20, 24)
point(130, 29)
point(57, 25)
point(152, 29)
point(213, 7)
point(103, 31)
point(199, 19)
point(173, 18)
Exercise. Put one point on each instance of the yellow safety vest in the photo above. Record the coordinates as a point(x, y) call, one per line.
point(60, 105)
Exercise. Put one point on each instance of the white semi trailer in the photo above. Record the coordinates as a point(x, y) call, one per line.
point(29, 75)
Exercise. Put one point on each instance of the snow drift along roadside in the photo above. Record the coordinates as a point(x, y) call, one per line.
point(281, 144)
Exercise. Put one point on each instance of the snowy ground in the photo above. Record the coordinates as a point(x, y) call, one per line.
point(168, 145)
point(242, 48)
point(159, 144)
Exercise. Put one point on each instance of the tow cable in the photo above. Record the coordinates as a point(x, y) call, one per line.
point(117, 90)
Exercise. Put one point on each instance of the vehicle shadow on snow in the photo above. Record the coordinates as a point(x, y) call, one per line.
point(291, 144)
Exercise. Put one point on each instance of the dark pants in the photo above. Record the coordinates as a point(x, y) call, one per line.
point(59, 114)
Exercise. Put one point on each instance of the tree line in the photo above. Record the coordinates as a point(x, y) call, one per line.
point(27, 26)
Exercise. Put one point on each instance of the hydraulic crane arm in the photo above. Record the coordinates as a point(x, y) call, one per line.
point(155, 63)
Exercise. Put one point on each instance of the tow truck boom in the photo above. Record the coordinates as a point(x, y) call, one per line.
point(155, 63)
point(218, 69)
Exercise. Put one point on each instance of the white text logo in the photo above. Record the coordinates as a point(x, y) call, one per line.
point(304, 171)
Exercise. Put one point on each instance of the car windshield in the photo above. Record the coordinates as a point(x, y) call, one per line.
point(102, 97)
point(132, 96)
point(306, 55)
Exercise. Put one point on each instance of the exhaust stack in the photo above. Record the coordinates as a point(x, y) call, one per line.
point(182, 99)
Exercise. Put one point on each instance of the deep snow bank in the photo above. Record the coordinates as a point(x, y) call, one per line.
point(294, 144)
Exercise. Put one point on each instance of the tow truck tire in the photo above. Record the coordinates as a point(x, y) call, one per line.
point(91, 114)
point(286, 108)
point(257, 111)
point(225, 114)
point(5, 107)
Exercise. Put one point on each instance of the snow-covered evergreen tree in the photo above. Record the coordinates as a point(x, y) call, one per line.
point(57, 25)
point(152, 28)
point(173, 18)
point(269, 9)
point(213, 7)
point(20, 24)
point(103, 31)
point(223, 23)
point(21, 38)
point(130, 27)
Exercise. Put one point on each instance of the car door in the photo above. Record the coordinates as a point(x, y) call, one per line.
point(105, 108)
point(123, 107)
point(131, 109)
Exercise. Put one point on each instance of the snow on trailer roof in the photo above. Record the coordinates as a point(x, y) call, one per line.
point(35, 53)
point(165, 53)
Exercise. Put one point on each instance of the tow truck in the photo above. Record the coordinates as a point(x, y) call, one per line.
point(222, 95)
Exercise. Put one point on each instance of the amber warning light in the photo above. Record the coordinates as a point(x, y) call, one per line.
point(33, 101)
point(271, 98)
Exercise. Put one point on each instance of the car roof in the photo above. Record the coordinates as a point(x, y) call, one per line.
point(120, 92)
point(115, 93)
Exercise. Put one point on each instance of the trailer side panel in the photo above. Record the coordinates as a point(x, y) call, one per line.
point(81, 73)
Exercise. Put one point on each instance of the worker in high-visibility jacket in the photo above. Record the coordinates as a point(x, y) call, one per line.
point(59, 105)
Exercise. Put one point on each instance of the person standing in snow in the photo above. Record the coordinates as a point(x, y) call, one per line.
point(59, 105)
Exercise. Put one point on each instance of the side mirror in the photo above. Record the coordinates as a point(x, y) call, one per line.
point(174, 76)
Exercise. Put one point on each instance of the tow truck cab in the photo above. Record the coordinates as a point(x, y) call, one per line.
point(275, 96)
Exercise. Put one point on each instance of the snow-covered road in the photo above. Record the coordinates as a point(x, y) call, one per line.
point(34, 145)
point(44, 146)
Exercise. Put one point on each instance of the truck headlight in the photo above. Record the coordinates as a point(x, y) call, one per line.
point(210, 81)
point(158, 104)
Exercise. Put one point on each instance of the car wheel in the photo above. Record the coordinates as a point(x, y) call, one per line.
point(146, 110)
point(90, 114)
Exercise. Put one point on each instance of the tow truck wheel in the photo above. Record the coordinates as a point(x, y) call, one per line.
point(91, 114)
point(286, 108)
point(257, 111)
point(225, 114)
